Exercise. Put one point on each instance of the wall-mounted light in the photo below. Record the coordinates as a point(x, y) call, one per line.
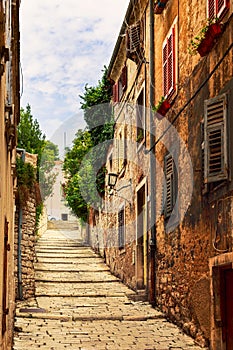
point(112, 179)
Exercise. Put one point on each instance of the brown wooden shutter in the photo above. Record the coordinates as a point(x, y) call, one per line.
point(169, 175)
point(121, 228)
point(216, 161)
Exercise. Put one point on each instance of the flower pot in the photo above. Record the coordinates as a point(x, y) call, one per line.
point(159, 6)
point(208, 42)
point(162, 110)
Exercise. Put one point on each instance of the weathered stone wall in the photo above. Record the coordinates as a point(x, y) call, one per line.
point(25, 234)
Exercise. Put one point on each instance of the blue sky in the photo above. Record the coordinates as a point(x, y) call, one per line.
point(64, 45)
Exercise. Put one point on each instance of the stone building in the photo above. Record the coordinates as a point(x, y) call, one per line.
point(9, 111)
point(55, 204)
point(167, 227)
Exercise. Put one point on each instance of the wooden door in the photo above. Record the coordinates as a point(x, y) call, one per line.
point(228, 306)
point(5, 310)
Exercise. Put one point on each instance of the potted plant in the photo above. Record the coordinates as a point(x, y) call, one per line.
point(162, 107)
point(205, 40)
point(159, 6)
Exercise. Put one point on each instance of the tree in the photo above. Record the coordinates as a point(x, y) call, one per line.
point(82, 180)
point(72, 163)
point(31, 138)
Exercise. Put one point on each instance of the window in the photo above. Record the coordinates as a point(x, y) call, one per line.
point(215, 139)
point(120, 86)
point(134, 42)
point(171, 185)
point(217, 8)
point(121, 228)
point(169, 63)
point(140, 117)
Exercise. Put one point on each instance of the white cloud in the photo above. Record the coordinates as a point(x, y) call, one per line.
point(64, 45)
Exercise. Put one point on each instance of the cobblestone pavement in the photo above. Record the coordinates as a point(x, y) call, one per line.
point(80, 305)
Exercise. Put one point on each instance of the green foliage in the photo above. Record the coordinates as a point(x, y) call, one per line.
point(30, 136)
point(73, 160)
point(79, 169)
point(39, 211)
point(156, 108)
point(25, 173)
point(97, 110)
point(196, 41)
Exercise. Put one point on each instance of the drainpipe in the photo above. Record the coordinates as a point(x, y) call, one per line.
point(20, 221)
point(152, 291)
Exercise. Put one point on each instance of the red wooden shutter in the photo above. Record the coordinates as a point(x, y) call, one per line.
point(222, 7)
point(211, 9)
point(115, 93)
point(217, 8)
point(169, 64)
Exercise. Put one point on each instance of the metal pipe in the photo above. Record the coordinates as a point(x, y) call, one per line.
point(152, 292)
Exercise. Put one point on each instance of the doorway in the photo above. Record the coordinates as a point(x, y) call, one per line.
point(227, 307)
point(142, 238)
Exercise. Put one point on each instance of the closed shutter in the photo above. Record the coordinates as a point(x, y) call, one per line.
point(215, 162)
point(169, 174)
point(5, 310)
point(217, 8)
point(121, 228)
point(169, 64)
point(115, 93)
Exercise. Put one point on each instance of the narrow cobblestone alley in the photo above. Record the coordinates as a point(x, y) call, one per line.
point(80, 305)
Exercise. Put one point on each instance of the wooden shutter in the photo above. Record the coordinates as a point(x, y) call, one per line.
point(215, 160)
point(115, 93)
point(134, 42)
point(217, 8)
point(171, 185)
point(169, 64)
point(5, 310)
point(121, 146)
point(211, 9)
point(121, 228)
point(134, 37)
